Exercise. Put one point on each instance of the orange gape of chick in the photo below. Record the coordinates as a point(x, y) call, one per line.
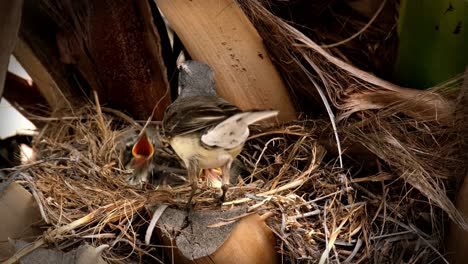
point(141, 161)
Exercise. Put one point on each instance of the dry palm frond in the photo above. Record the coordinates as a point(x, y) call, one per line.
point(353, 90)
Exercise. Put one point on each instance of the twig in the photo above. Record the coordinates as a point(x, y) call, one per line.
point(360, 31)
point(29, 179)
point(318, 211)
point(154, 220)
point(327, 105)
point(390, 235)
point(294, 184)
point(122, 116)
point(291, 185)
point(355, 251)
point(99, 113)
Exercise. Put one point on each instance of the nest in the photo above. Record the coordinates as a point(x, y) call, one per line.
point(372, 212)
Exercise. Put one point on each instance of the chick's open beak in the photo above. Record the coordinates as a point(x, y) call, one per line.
point(213, 177)
point(142, 151)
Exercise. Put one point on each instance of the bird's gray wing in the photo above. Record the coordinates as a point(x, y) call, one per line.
point(234, 131)
point(192, 114)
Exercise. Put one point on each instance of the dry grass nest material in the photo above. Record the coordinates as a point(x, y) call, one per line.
point(318, 212)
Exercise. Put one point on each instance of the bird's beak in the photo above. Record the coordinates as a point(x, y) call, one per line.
point(184, 68)
point(143, 150)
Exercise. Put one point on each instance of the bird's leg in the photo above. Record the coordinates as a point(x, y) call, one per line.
point(192, 169)
point(225, 181)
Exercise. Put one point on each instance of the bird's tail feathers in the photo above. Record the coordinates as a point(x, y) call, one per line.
point(251, 117)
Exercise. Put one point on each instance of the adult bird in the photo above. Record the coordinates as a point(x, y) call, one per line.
point(205, 130)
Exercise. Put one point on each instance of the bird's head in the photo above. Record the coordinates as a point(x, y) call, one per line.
point(196, 79)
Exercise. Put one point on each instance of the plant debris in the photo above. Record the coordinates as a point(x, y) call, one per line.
point(318, 212)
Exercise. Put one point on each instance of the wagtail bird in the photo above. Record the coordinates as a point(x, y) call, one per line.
point(205, 130)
